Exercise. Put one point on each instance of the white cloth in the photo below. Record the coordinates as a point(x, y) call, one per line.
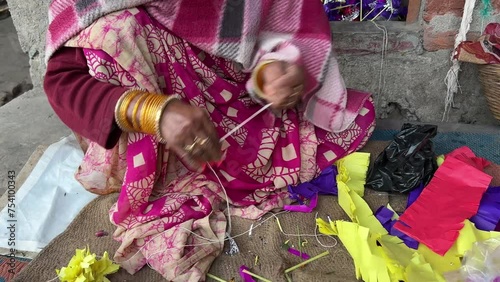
point(49, 200)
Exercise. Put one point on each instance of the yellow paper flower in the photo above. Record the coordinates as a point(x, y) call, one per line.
point(84, 267)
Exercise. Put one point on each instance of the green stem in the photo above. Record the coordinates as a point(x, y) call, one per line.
point(215, 278)
point(256, 276)
point(307, 261)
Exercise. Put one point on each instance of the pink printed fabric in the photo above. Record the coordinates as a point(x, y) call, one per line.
point(164, 201)
point(243, 31)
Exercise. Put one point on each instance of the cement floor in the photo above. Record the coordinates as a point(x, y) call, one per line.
point(14, 64)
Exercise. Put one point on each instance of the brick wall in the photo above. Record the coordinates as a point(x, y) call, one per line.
point(441, 19)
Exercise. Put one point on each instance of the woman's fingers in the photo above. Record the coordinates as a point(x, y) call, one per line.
point(286, 90)
point(203, 144)
point(189, 131)
point(293, 77)
point(214, 145)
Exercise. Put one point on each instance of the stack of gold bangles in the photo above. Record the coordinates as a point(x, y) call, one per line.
point(146, 113)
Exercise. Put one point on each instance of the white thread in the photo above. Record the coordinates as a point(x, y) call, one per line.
point(212, 241)
point(230, 226)
point(385, 46)
point(451, 79)
point(245, 122)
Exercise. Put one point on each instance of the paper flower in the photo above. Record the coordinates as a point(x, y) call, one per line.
point(84, 267)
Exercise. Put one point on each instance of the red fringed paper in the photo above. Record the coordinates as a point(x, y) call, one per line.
point(453, 195)
point(466, 155)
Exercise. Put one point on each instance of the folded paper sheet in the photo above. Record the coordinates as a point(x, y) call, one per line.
point(452, 196)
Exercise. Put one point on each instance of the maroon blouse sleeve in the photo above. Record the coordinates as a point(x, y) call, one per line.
point(83, 103)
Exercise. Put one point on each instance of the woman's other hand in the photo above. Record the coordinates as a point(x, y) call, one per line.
point(188, 130)
point(282, 84)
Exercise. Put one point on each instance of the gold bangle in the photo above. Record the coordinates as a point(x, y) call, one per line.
point(135, 123)
point(122, 107)
point(159, 114)
point(257, 83)
point(149, 109)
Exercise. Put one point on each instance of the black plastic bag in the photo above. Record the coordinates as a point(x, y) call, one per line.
point(408, 161)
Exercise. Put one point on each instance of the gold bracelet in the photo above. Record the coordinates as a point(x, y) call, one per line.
point(135, 123)
point(149, 109)
point(159, 114)
point(257, 83)
point(122, 107)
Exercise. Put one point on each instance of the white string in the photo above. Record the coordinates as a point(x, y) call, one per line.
point(212, 241)
point(245, 122)
point(385, 46)
point(229, 225)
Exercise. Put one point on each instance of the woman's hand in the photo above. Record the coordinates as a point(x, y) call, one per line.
point(188, 130)
point(283, 84)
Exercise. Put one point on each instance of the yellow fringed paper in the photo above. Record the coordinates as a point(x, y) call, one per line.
point(351, 179)
point(84, 267)
point(420, 270)
point(358, 210)
point(352, 171)
point(397, 256)
point(327, 228)
point(362, 246)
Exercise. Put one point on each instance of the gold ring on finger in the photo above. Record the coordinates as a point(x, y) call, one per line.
point(190, 148)
point(203, 142)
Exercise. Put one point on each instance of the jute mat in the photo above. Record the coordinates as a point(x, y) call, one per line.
point(265, 242)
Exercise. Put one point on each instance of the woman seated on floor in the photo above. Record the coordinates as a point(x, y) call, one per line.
point(150, 88)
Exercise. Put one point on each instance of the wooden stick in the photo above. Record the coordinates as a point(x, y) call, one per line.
point(361, 10)
point(307, 261)
point(383, 10)
point(215, 278)
point(368, 14)
point(288, 279)
point(341, 7)
point(256, 276)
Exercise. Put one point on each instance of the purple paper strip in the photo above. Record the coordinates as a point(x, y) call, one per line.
point(384, 215)
point(244, 276)
point(412, 197)
point(303, 208)
point(487, 217)
point(324, 184)
point(296, 252)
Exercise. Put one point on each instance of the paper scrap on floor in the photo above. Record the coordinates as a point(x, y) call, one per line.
point(49, 199)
